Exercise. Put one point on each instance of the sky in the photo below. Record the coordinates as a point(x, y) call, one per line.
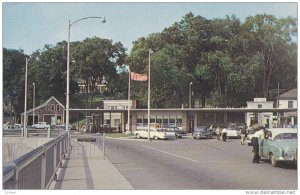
point(29, 26)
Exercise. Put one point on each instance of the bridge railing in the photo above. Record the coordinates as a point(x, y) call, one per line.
point(37, 169)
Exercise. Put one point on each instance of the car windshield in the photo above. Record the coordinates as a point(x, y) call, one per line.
point(285, 136)
point(204, 128)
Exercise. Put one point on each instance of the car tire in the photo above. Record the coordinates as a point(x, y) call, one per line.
point(155, 137)
point(138, 136)
point(273, 161)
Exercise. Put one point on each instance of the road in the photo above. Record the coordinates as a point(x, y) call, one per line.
point(195, 164)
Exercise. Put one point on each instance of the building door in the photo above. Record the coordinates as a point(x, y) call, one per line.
point(53, 120)
point(192, 126)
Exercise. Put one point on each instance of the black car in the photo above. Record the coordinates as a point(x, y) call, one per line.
point(202, 132)
point(178, 133)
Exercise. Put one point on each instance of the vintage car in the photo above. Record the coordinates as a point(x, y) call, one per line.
point(155, 133)
point(233, 131)
point(249, 136)
point(202, 132)
point(41, 125)
point(178, 133)
point(15, 127)
point(280, 146)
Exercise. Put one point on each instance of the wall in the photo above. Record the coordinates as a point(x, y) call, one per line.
point(14, 147)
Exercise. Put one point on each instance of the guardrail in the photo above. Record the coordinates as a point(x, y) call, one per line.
point(37, 169)
point(33, 132)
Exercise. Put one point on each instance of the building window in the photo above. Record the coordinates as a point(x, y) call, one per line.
point(259, 106)
point(57, 107)
point(290, 104)
point(52, 107)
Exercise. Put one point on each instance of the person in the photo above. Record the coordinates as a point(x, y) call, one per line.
point(243, 135)
point(256, 138)
point(224, 134)
point(218, 132)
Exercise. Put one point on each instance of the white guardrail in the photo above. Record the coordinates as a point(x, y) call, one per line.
point(37, 169)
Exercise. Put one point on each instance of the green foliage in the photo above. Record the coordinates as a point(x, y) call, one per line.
point(13, 79)
point(228, 62)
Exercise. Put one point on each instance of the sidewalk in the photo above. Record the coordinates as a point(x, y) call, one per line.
point(85, 169)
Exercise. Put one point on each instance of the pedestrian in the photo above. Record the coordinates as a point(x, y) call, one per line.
point(224, 134)
point(257, 137)
point(218, 132)
point(243, 135)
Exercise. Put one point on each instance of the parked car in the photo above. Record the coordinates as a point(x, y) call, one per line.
point(233, 131)
point(15, 127)
point(178, 133)
point(249, 136)
point(159, 133)
point(41, 125)
point(281, 146)
point(202, 132)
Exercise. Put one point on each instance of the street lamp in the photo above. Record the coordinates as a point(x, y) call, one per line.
point(150, 52)
point(24, 132)
point(190, 95)
point(33, 103)
point(68, 67)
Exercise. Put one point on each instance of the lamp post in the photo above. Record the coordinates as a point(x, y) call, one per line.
point(149, 91)
point(190, 95)
point(33, 103)
point(68, 67)
point(24, 132)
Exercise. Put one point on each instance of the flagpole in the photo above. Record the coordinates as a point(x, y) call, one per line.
point(128, 117)
point(149, 91)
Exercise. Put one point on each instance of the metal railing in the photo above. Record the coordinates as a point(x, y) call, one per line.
point(37, 169)
point(33, 132)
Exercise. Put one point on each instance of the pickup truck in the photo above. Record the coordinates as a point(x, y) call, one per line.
point(155, 133)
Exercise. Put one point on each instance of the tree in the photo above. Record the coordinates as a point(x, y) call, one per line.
point(13, 79)
point(95, 58)
point(269, 37)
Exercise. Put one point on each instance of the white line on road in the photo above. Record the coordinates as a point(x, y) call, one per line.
point(171, 154)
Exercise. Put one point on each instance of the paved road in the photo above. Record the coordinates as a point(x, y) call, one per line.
point(195, 164)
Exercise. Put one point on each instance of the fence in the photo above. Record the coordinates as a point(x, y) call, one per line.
point(37, 169)
point(87, 146)
point(33, 132)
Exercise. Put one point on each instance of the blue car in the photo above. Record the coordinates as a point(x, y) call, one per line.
point(280, 146)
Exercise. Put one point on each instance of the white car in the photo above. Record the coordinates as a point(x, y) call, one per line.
point(41, 125)
point(15, 127)
point(155, 134)
point(249, 137)
point(233, 133)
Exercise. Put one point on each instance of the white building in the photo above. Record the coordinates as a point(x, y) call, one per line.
point(115, 119)
point(288, 100)
point(265, 118)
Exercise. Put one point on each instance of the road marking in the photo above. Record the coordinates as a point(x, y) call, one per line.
point(171, 154)
point(211, 146)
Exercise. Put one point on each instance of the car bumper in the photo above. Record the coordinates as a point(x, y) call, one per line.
point(200, 136)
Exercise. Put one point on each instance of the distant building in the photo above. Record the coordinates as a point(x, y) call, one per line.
point(114, 119)
point(52, 112)
point(265, 118)
point(100, 86)
point(288, 100)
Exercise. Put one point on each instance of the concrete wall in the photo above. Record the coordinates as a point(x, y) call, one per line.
point(14, 147)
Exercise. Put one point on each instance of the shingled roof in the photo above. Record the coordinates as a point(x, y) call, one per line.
point(290, 95)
